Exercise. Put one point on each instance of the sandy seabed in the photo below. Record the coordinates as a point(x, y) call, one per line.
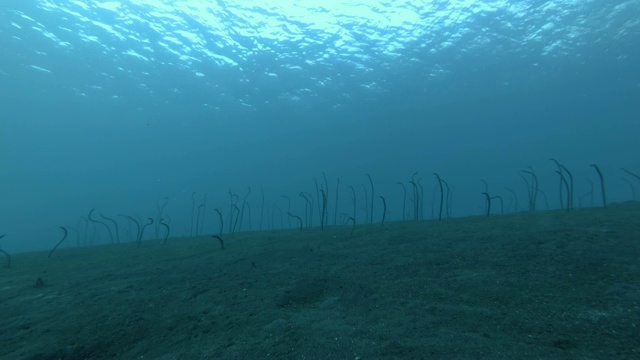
point(529, 285)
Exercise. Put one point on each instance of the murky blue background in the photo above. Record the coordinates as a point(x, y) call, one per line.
point(115, 105)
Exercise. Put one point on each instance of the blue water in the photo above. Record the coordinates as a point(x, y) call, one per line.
point(117, 105)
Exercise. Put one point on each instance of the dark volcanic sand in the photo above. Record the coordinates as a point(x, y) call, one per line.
point(528, 285)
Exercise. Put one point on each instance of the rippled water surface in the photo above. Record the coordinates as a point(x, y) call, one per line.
point(253, 54)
